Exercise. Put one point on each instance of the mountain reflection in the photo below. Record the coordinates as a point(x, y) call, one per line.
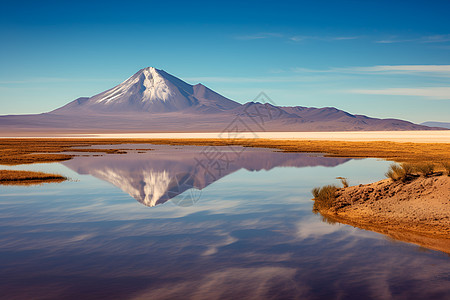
point(156, 176)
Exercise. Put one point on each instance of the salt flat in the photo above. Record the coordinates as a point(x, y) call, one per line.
point(437, 136)
point(428, 136)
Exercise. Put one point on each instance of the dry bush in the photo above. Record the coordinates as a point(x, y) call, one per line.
point(396, 172)
point(324, 196)
point(446, 166)
point(315, 191)
point(425, 169)
point(409, 169)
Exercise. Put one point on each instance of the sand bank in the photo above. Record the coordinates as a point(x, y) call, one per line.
point(416, 211)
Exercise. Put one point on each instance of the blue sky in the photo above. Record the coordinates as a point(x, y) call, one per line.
point(378, 58)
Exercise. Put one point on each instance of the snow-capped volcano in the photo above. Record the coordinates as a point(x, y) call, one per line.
point(152, 90)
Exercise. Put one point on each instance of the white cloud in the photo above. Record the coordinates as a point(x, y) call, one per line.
point(258, 36)
point(392, 41)
point(433, 70)
point(299, 38)
point(295, 38)
point(405, 68)
point(56, 80)
point(342, 38)
point(438, 38)
point(251, 79)
point(439, 93)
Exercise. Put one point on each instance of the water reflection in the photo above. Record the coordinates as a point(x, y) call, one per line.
point(251, 236)
point(157, 176)
point(395, 234)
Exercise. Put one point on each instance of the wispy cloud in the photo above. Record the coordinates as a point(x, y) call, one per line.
point(343, 38)
point(259, 36)
point(305, 74)
point(407, 68)
point(435, 93)
point(56, 80)
point(438, 38)
point(35, 80)
point(394, 40)
point(300, 38)
point(251, 79)
point(434, 70)
point(293, 38)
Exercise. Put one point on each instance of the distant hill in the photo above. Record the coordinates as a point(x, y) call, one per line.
point(152, 100)
point(437, 124)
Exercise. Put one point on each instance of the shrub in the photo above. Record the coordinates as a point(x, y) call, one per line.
point(446, 167)
point(425, 169)
point(316, 191)
point(396, 172)
point(324, 196)
point(409, 169)
point(344, 181)
point(406, 171)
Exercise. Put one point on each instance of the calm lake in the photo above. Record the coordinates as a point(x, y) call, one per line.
point(185, 222)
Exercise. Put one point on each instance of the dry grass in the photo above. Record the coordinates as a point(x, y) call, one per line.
point(407, 171)
point(425, 169)
point(13, 177)
point(28, 151)
point(398, 172)
point(324, 196)
point(446, 167)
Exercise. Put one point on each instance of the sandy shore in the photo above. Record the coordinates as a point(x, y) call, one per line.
point(416, 211)
point(429, 136)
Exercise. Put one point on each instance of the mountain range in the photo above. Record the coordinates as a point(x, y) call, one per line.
point(152, 100)
point(437, 124)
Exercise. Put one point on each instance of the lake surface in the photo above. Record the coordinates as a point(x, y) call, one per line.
point(201, 223)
